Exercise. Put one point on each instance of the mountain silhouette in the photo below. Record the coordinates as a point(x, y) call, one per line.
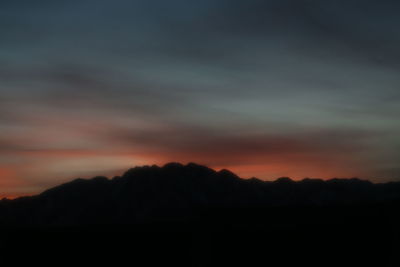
point(183, 192)
point(215, 215)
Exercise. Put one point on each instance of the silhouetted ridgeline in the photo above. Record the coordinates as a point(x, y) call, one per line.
point(194, 216)
point(186, 193)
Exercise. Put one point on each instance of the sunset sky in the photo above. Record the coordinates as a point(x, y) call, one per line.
point(266, 88)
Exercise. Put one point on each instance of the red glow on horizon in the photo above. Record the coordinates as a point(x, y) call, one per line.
point(54, 166)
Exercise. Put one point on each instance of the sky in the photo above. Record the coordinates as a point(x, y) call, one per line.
point(266, 88)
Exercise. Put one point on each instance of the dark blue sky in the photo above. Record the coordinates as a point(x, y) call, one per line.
point(267, 88)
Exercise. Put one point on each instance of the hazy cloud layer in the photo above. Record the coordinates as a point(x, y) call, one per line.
point(229, 83)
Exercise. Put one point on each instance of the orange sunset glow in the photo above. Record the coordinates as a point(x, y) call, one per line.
point(262, 88)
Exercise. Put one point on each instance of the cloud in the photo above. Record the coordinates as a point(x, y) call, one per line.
point(334, 149)
point(297, 84)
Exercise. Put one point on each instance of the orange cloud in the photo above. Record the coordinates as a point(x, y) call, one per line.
point(322, 154)
point(10, 183)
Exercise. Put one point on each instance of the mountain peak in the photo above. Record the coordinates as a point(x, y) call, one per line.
point(284, 180)
point(175, 190)
point(228, 173)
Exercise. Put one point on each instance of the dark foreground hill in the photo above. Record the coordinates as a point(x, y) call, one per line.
point(191, 215)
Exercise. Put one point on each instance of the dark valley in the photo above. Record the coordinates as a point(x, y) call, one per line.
point(191, 215)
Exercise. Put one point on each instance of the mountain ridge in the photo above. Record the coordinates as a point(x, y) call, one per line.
point(194, 166)
point(202, 217)
point(177, 192)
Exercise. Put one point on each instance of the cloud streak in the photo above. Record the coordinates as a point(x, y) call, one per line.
point(265, 87)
